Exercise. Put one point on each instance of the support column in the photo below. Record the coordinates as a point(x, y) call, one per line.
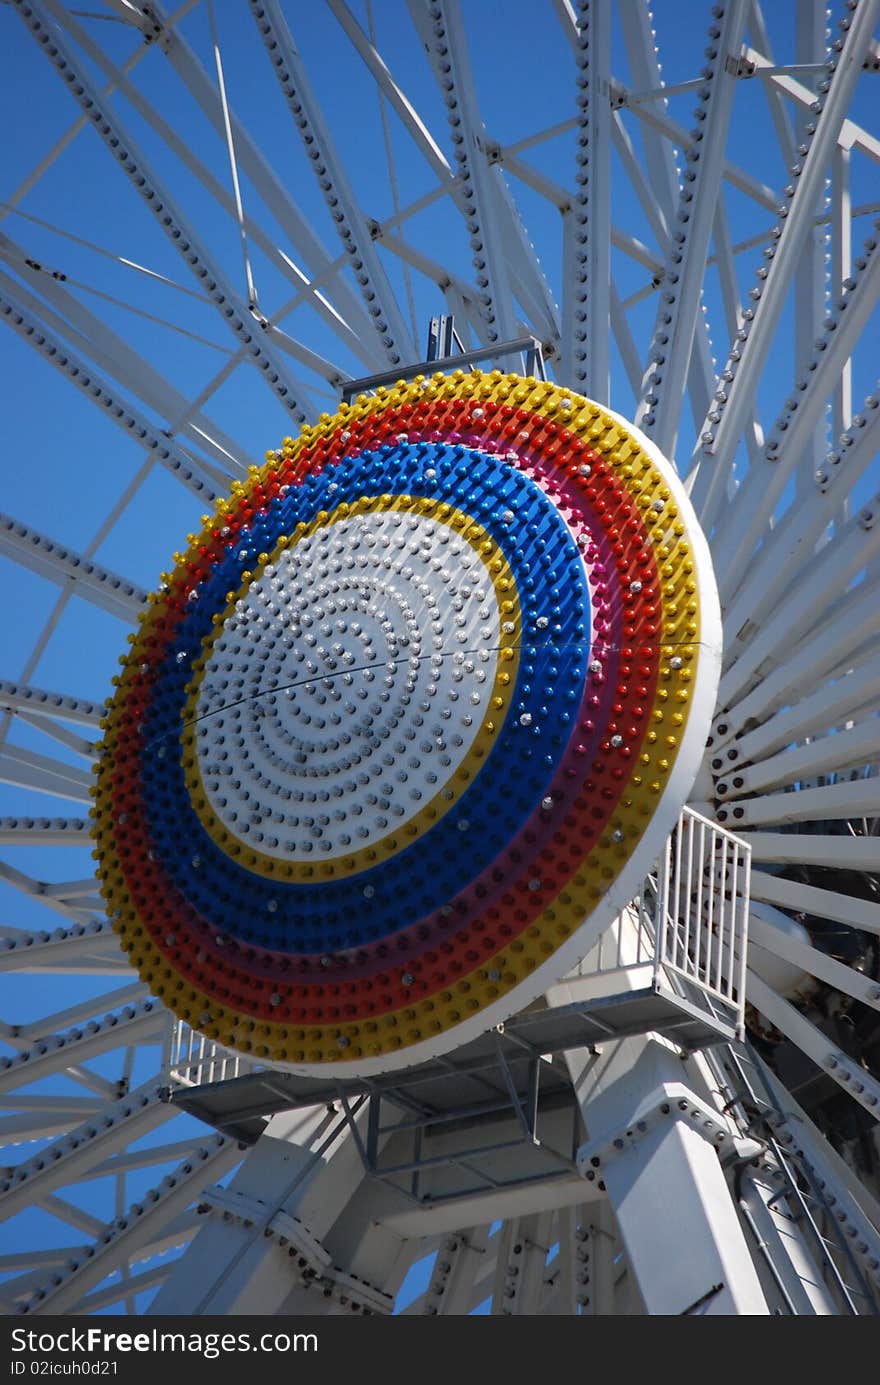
point(268, 1246)
point(596, 1289)
point(653, 1145)
point(654, 1133)
point(520, 1270)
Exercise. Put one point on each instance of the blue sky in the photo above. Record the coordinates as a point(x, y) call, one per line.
point(66, 465)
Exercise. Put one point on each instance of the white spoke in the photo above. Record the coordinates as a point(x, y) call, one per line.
point(16, 311)
point(180, 232)
point(387, 320)
point(65, 566)
point(142, 1022)
point(90, 947)
point(726, 419)
point(678, 206)
point(690, 229)
point(585, 353)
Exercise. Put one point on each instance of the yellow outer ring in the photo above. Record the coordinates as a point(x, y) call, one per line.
point(680, 635)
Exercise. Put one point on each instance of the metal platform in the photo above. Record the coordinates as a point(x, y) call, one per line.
point(514, 1063)
point(501, 1108)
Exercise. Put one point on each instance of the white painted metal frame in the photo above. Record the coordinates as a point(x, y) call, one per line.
point(791, 521)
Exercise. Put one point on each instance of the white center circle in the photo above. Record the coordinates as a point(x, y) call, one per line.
point(348, 687)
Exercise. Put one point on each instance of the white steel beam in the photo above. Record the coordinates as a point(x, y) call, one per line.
point(852, 135)
point(654, 1135)
point(129, 1287)
point(181, 234)
point(678, 311)
point(652, 208)
point(851, 798)
point(77, 1107)
point(829, 706)
point(724, 259)
point(529, 286)
point(664, 1180)
point(68, 898)
point(841, 271)
point(725, 421)
point(644, 68)
point(118, 1164)
point(93, 1082)
point(834, 567)
point(789, 547)
point(443, 28)
point(734, 174)
point(127, 1236)
point(502, 1257)
point(624, 339)
point(49, 558)
point(776, 105)
point(856, 1211)
point(596, 1251)
point(41, 1123)
point(237, 1263)
point(587, 308)
point(747, 517)
point(461, 1258)
point(432, 269)
point(34, 1032)
point(810, 280)
point(136, 1023)
point(83, 949)
point(854, 1079)
point(333, 180)
point(70, 319)
point(770, 930)
point(560, 1285)
point(811, 283)
point(852, 623)
point(521, 1259)
point(658, 135)
point(348, 318)
point(27, 769)
point(54, 731)
point(851, 748)
point(25, 1259)
point(16, 1292)
point(66, 1212)
point(132, 14)
point(97, 1138)
point(14, 310)
point(478, 1291)
point(42, 702)
point(457, 1214)
point(773, 1222)
point(809, 899)
point(394, 94)
point(809, 849)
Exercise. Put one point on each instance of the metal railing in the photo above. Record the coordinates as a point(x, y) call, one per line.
point(702, 911)
point(686, 930)
point(686, 934)
point(192, 1060)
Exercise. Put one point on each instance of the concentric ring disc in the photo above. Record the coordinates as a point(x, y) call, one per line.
point(407, 724)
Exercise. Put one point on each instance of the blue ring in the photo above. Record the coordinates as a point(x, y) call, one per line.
point(327, 915)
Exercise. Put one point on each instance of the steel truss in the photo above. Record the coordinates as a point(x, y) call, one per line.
point(725, 252)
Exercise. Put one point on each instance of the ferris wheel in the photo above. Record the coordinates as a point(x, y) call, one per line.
point(417, 230)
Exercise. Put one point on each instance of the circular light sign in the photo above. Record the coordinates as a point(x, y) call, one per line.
point(407, 724)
